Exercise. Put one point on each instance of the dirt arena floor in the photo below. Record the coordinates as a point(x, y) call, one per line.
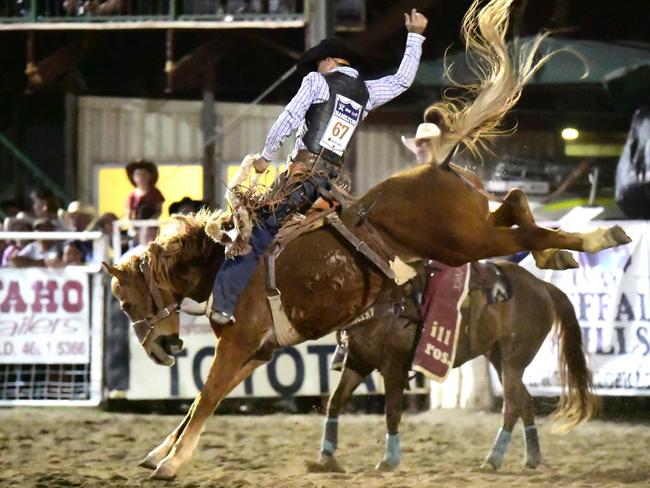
point(59, 447)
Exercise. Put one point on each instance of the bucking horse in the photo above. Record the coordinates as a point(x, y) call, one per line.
point(426, 212)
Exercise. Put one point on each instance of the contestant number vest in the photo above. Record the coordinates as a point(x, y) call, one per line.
point(329, 125)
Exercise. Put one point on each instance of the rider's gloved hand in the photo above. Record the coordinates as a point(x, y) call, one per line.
point(260, 165)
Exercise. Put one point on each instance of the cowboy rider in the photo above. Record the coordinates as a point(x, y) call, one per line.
point(327, 109)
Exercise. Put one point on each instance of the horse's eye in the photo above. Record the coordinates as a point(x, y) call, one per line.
point(126, 307)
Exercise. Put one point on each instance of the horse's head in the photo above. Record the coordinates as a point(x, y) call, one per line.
point(152, 309)
point(182, 262)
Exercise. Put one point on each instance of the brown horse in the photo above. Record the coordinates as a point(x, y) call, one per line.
point(508, 333)
point(426, 212)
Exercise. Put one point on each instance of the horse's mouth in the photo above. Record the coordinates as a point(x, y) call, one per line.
point(164, 349)
point(161, 358)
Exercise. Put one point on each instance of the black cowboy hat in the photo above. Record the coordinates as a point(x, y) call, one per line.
point(332, 47)
point(142, 164)
point(195, 205)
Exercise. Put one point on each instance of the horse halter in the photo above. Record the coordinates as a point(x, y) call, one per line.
point(145, 326)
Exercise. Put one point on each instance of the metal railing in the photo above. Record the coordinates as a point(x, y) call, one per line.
point(102, 11)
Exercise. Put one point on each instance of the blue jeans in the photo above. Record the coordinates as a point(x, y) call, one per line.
point(234, 274)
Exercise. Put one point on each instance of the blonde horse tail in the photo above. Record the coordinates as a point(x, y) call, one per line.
point(577, 403)
point(473, 119)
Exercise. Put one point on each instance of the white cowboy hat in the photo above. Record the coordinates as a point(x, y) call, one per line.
point(78, 207)
point(426, 130)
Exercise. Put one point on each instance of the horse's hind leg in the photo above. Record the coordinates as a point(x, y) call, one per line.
point(229, 365)
point(511, 412)
point(516, 211)
point(349, 381)
point(394, 375)
point(531, 439)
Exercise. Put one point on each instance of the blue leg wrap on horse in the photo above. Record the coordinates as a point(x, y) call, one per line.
point(234, 274)
point(393, 453)
point(330, 436)
point(531, 442)
point(499, 448)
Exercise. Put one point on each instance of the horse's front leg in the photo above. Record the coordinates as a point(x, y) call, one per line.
point(154, 457)
point(230, 366)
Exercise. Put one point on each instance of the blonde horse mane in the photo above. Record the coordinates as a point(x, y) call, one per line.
point(182, 240)
point(473, 119)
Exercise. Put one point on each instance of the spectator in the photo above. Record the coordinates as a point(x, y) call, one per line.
point(105, 224)
point(14, 224)
point(38, 252)
point(78, 216)
point(143, 175)
point(10, 207)
point(45, 205)
point(186, 205)
point(74, 253)
point(108, 7)
point(145, 235)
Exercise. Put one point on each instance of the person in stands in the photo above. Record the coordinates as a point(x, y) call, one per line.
point(143, 175)
point(14, 224)
point(45, 205)
point(38, 253)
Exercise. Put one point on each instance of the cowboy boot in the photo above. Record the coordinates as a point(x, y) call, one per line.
point(190, 307)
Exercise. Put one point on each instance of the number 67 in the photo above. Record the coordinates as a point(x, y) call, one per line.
point(340, 129)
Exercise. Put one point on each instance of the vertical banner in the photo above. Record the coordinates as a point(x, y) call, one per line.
point(610, 293)
point(44, 316)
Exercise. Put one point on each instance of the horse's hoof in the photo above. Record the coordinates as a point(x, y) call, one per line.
point(565, 260)
point(163, 472)
point(619, 236)
point(148, 463)
point(326, 464)
point(491, 464)
point(532, 462)
point(386, 465)
point(555, 259)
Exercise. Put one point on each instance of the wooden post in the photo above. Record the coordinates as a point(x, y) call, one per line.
point(320, 21)
point(70, 148)
point(30, 70)
point(169, 63)
point(212, 188)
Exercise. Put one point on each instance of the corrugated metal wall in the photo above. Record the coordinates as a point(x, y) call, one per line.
point(379, 154)
point(119, 130)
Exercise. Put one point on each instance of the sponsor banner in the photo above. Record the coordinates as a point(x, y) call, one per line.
point(301, 370)
point(44, 316)
point(610, 293)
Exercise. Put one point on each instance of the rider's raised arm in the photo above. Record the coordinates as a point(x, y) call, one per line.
point(313, 89)
point(385, 89)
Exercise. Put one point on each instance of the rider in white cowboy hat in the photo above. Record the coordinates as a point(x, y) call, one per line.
point(422, 143)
